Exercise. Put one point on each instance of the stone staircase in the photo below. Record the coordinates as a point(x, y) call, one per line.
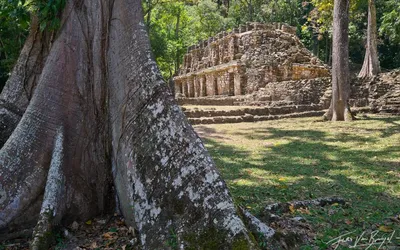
point(197, 116)
point(384, 93)
point(390, 103)
point(289, 99)
point(251, 118)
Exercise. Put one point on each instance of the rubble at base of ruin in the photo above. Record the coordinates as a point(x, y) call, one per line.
point(245, 60)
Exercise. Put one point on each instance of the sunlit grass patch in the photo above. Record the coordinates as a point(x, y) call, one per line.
point(297, 159)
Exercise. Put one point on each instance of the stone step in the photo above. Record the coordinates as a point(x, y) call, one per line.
point(392, 101)
point(262, 111)
point(211, 101)
point(251, 118)
point(263, 103)
point(390, 109)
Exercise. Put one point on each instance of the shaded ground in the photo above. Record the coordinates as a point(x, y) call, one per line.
point(296, 159)
point(100, 233)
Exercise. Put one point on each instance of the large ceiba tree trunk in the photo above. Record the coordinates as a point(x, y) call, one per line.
point(98, 117)
point(339, 109)
point(371, 62)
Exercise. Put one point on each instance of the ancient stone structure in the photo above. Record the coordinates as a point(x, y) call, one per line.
point(381, 93)
point(245, 60)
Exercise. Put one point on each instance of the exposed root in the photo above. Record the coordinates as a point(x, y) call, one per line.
point(256, 226)
point(262, 233)
point(52, 206)
point(285, 207)
point(9, 118)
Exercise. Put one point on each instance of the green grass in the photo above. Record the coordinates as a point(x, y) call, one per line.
point(296, 159)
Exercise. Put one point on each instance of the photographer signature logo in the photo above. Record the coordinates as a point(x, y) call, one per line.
point(365, 240)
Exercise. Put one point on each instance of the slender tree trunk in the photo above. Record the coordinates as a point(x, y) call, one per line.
point(330, 54)
point(339, 109)
point(315, 44)
point(177, 56)
point(371, 62)
point(101, 118)
point(327, 47)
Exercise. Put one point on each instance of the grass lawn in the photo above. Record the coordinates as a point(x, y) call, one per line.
point(300, 159)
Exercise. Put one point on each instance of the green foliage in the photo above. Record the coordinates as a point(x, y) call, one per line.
point(175, 25)
point(391, 21)
point(284, 11)
point(48, 12)
point(172, 241)
point(206, 20)
point(14, 24)
point(169, 35)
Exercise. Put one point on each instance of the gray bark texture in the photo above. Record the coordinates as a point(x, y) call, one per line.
point(371, 66)
point(339, 109)
point(98, 122)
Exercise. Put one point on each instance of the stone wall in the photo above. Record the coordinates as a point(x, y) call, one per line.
point(381, 93)
point(244, 60)
point(306, 91)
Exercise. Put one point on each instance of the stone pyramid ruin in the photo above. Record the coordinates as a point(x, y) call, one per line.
point(267, 72)
point(245, 60)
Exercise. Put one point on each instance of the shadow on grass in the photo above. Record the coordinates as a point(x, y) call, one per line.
point(316, 164)
point(322, 170)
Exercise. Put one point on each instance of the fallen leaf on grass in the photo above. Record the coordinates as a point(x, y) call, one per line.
point(94, 245)
point(121, 223)
point(304, 211)
point(385, 229)
point(109, 235)
point(292, 209)
point(132, 231)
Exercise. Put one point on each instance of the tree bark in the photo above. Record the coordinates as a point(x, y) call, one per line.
point(101, 118)
point(20, 86)
point(315, 44)
point(339, 109)
point(371, 62)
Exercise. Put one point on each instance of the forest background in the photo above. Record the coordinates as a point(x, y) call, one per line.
point(174, 25)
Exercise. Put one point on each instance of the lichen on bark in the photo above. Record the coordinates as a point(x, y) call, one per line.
point(101, 118)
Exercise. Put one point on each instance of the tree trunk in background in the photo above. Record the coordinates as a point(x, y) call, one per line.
point(315, 44)
point(102, 116)
point(327, 47)
point(371, 62)
point(177, 56)
point(20, 86)
point(339, 109)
